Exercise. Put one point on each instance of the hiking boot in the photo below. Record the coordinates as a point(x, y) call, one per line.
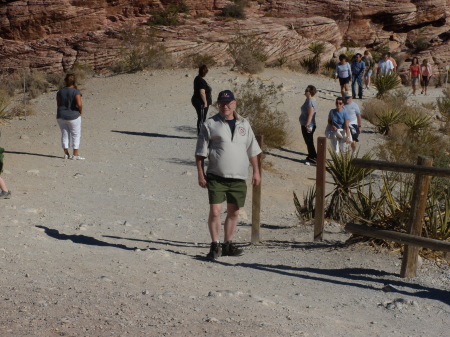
point(229, 249)
point(215, 251)
point(5, 195)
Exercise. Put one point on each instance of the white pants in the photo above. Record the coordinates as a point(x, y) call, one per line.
point(70, 131)
point(340, 144)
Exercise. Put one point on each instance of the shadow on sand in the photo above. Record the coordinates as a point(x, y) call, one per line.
point(81, 239)
point(152, 134)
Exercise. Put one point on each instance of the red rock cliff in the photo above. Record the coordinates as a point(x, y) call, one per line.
point(54, 34)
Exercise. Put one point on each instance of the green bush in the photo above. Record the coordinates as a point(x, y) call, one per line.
point(259, 104)
point(168, 16)
point(386, 119)
point(385, 83)
point(306, 211)
point(235, 11)
point(312, 63)
point(421, 44)
point(248, 53)
point(346, 177)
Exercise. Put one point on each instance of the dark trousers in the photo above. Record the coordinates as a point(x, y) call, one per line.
point(201, 115)
point(309, 140)
point(359, 80)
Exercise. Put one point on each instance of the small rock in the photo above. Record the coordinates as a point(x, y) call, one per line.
point(388, 288)
point(145, 292)
point(390, 306)
point(25, 137)
point(105, 278)
point(33, 172)
point(211, 320)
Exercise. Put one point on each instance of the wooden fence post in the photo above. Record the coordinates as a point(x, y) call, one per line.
point(319, 216)
point(418, 205)
point(256, 200)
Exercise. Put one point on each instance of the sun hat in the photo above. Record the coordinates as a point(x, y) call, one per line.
point(225, 96)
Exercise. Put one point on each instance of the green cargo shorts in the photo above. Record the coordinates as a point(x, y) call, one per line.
point(220, 189)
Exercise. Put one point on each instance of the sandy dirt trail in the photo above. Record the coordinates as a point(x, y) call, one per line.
point(112, 246)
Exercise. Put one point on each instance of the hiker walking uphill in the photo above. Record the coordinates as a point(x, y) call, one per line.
point(227, 140)
point(344, 73)
point(358, 70)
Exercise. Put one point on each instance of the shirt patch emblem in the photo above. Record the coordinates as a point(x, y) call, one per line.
point(241, 131)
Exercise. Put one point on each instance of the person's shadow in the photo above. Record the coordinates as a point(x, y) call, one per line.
point(81, 239)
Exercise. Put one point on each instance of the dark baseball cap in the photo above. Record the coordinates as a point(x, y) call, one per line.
point(225, 96)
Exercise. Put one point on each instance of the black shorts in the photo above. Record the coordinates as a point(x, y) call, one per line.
point(355, 132)
point(344, 80)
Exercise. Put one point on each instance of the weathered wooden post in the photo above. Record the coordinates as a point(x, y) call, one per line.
point(319, 216)
point(418, 205)
point(256, 200)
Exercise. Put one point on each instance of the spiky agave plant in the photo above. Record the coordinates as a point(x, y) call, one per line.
point(306, 211)
point(346, 178)
point(417, 121)
point(386, 119)
point(385, 83)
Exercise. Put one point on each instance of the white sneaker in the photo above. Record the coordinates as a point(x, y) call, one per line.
point(77, 158)
point(67, 156)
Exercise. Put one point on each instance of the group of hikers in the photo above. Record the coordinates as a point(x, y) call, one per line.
point(361, 68)
point(228, 142)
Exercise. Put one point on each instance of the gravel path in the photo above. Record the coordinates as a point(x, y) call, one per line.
point(114, 245)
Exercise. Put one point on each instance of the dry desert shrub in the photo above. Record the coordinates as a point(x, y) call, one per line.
point(248, 53)
point(5, 100)
point(235, 10)
point(139, 51)
point(196, 60)
point(259, 104)
point(312, 63)
point(169, 16)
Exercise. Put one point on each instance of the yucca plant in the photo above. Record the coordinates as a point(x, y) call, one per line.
point(417, 121)
point(386, 119)
point(437, 220)
point(306, 211)
point(364, 204)
point(312, 63)
point(346, 177)
point(385, 83)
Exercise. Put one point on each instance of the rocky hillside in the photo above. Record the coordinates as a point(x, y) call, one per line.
point(54, 34)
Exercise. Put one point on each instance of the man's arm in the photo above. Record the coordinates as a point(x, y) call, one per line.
point(256, 179)
point(200, 163)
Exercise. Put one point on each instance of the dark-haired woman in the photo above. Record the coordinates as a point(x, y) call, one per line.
point(414, 74)
point(425, 74)
point(68, 115)
point(308, 122)
point(201, 99)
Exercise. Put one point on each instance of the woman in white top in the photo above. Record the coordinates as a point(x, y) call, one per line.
point(344, 73)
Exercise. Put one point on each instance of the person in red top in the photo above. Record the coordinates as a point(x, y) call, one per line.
point(414, 73)
point(425, 73)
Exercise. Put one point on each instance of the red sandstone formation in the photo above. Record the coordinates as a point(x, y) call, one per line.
point(54, 34)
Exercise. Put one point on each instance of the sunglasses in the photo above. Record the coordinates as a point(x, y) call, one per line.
point(339, 103)
point(222, 104)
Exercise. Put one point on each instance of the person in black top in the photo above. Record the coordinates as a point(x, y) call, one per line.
point(201, 99)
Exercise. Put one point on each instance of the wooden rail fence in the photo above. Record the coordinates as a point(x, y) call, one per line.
point(413, 239)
